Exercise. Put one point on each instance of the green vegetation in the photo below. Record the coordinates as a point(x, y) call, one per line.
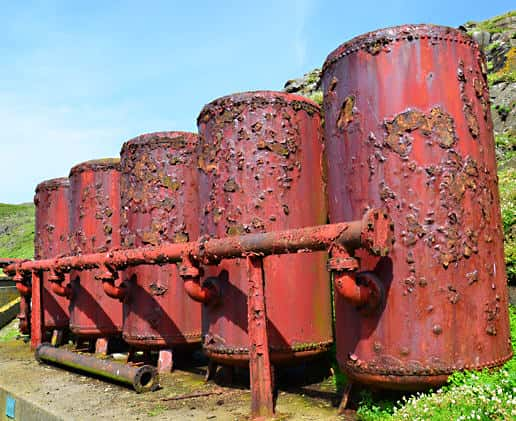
point(157, 410)
point(17, 230)
point(508, 72)
point(486, 395)
point(9, 332)
point(507, 184)
point(492, 25)
point(505, 149)
point(316, 96)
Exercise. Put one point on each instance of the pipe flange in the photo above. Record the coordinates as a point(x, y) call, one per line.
point(188, 268)
point(377, 232)
point(341, 264)
point(146, 379)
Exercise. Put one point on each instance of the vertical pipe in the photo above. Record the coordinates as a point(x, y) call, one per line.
point(262, 404)
point(37, 311)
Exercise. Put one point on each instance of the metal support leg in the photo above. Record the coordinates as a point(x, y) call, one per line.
point(101, 346)
point(262, 402)
point(345, 398)
point(165, 361)
point(37, 323)
point(211, 371)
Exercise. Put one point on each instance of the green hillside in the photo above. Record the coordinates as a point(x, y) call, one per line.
point(17, 230)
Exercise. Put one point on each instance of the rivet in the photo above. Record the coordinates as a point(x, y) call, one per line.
point(437, 329)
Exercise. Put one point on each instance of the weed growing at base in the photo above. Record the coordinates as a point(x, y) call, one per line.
point(486, 395)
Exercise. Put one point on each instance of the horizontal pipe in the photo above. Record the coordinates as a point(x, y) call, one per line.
point(348, 235)
point(142, 379)
point(8, 261)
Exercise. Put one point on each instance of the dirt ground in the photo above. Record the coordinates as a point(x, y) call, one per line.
point(72, 396)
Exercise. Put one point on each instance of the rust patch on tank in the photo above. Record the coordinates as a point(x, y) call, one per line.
point(376, 46)
point(157, 289)
point(333, 84)
point(437, 125)
point(471, 118)
point(346, 112)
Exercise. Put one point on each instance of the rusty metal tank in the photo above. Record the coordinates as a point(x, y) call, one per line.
point(261, 159)
point(160, 204)
point(408, 127)
point(51, 240)
point(94, 228)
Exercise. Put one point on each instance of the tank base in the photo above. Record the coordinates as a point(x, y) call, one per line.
point(240, 356)
point(190, 341)
point(414, 379)
point(94, 333)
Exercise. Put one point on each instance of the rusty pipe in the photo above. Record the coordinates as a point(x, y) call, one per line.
point(24, 316)
point(108, 277)
point(374, 234)
point(363, 290)
point(201, 293)
point(8, 261)
point(207, 293)
point(117, 292)
point(56, 284)
point(142, 379)
point(23, 289)
point(63, 291)
point(346, 285)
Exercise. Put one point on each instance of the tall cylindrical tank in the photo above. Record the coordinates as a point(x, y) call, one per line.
point(51, 240)
point(261, 170)
point(94, 228)
point(160, 204)
point(408, 127)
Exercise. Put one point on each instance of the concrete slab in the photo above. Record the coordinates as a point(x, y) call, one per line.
point(44, 392)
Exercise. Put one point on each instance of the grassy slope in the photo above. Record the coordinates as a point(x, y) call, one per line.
point(17, 230)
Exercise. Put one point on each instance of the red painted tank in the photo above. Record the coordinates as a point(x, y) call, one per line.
point(51, 240)
point(261, 161)
point(94, 228)
point(160, 204)
point(408, 127)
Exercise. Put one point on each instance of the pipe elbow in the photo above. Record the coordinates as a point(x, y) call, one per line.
point(363, 290)
point(24, 289)
point(113, 291)
point(206, 294)
point(62, 291)
point(347, 287)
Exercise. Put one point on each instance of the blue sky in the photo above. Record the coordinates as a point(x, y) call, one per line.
point(78, 78)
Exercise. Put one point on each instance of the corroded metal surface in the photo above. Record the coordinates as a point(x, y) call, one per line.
point(142, 379)
point(261, 170)
point(51, 240)
point(94, 228)
point(260, 369)
point(159, 205)
point(349, 235)
point(23, 285)
point(408, 127)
